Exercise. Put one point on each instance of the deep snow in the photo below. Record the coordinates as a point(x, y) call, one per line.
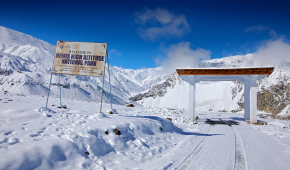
point(32, 136)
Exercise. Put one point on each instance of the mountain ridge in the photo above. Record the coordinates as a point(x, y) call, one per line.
point(28, 62)
point(10, 38)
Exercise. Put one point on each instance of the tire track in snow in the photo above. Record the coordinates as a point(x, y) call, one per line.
point(240, 156)
point(196, 151)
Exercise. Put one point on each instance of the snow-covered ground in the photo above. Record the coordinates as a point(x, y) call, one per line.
point(35, 137)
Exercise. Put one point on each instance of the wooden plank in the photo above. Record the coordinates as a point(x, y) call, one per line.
point(223, 71)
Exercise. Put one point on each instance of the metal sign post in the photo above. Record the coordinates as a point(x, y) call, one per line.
point(48, 90)
point(80, 58)
point(107, 56)
point(59, 91)
point(102, 92)
point(109, 79)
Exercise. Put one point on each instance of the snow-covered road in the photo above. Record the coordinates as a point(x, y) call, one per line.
point(223, 148)
point(264, 151)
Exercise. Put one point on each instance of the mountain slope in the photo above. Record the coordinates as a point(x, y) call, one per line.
point(28, 61)
point(273, 91)
point(25, 67)
point(11, 38)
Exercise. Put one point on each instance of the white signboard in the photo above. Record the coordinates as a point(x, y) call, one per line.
point(79, 58)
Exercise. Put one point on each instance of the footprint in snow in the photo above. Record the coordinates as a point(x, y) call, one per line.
point(5, 140)
point(8, 133)
point(10, 141)
point(39, 132)
point(13, 141)
point(34, 135)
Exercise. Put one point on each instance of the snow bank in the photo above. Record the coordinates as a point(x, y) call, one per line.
point(210, 96)
point(45, 111)
point(78, 137)
point(137, 138)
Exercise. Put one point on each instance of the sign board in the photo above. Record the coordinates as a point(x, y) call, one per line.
point(80, 58)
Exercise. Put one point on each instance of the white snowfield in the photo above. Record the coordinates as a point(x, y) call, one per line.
point(216, 96)
point(35, 137)
point(79, 137)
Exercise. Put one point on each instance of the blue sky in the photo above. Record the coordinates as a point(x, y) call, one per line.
point(142, 34)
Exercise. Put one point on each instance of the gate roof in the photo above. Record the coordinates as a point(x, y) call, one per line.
point(226, 71)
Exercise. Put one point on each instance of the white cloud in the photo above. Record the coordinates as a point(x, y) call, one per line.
point(274, 53)
point(258, 28)
point(182, 56)
point(261, 28)
point(114, 53)
point(161, 23)
point(273, 34)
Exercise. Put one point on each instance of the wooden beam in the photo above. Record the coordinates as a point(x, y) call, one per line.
point(226, 71)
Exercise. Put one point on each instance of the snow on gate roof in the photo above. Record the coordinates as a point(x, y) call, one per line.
point(226, 71)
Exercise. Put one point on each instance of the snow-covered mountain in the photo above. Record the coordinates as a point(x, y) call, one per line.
point(11, 38)
point(211, 96)
point(225, 96)
point(26, 62)
point(25, 67)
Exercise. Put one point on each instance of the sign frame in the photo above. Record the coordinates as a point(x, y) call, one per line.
point(80, 58)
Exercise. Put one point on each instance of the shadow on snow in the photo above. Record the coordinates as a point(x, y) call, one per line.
point(168, 126)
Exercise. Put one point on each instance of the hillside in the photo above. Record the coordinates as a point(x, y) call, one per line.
point(224, 96)
point(25, 66)
point(29, 61)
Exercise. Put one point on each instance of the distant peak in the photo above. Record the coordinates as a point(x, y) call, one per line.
point(10, 38)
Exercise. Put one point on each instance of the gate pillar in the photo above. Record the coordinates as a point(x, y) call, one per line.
point(250, 99)
point(192, 96)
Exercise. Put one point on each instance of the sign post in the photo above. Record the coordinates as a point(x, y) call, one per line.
point(79, 58)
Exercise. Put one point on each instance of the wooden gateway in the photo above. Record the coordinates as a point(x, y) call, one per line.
point(248, 76)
